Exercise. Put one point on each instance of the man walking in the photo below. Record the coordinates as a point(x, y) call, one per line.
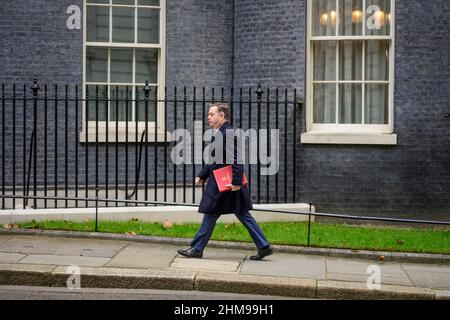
point(215, 203)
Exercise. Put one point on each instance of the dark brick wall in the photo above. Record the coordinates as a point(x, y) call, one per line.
point(412, 178)
point(37, 44)
point(270, 44)
point(199, 51)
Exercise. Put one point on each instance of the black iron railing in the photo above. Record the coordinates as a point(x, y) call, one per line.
point(72, 142)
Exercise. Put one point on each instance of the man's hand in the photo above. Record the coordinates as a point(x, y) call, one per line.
point(198, 181)
point(233, 188)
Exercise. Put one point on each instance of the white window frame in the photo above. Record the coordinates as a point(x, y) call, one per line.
point(348, 133)
point(162, 135)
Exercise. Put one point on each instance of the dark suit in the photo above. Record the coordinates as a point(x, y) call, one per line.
point(215, 203)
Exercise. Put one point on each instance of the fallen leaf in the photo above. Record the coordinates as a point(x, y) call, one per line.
point(134, 219)
point(167, 224)
point(381, 258)
point(132, 233)
point(400, 242)
point(7, 226)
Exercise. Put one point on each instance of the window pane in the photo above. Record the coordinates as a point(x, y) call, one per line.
point(350, 17)
point(123, 2)
point(97, 103)
point(123, 24)
point(324, 56)
point(96, 64)
point(324, 103)
point(378, 17)
point(377, 60)
point(350, 60)
point(151, 103)
point(119, 102)
point(121, 65)
point(97, 24)
point(323, 20)
point(148, 25)
point(146, 65)
point(350, 103)
point(377, 103)
point(148, 2)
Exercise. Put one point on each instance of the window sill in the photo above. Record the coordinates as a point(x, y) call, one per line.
point(161, 136)
point(356, 138)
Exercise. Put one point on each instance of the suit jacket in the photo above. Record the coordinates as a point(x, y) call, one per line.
point(215, 202)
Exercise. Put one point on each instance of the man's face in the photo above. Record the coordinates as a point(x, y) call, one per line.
point(215, 118)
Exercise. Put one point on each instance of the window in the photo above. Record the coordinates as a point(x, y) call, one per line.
point(350, 67)
point(124, 47)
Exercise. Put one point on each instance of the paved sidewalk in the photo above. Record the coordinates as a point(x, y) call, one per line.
point(43, 260)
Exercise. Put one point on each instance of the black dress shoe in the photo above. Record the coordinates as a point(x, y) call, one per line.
point(264, 252)
point(191, 253)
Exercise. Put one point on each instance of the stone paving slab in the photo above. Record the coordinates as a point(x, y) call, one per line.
point(224, 254)
point(65, 260)
point(27, 267)
point(400, 281)
point(287, 265)
point(360, 267)
point(143, 256)
point(4, 238)
point(428, 276)
point(205, 264)
point(7, 257)
point(30, 245)
point(435, 280)
point(89, 248)
point(357, 271)
point(425, 268)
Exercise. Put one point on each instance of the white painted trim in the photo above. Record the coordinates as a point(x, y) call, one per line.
point(356, 138)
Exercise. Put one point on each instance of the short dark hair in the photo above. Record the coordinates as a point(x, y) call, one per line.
point(222, 107)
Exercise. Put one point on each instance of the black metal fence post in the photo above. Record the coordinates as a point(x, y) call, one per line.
point(147, 95)
point(56, 145)
point(76, 145)
point(309, 221)
point(14, 145)
point(66, 144)
point(175, 116)
point(3, 145)
point(107, 116)
point(24, 146)
point(86, 150)
point(259, 93)
point(96, 208)
point(35, 88)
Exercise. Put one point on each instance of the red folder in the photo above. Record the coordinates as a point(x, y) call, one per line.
point(224, 176)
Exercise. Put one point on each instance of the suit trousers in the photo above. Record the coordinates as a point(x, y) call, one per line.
point(209, 222)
